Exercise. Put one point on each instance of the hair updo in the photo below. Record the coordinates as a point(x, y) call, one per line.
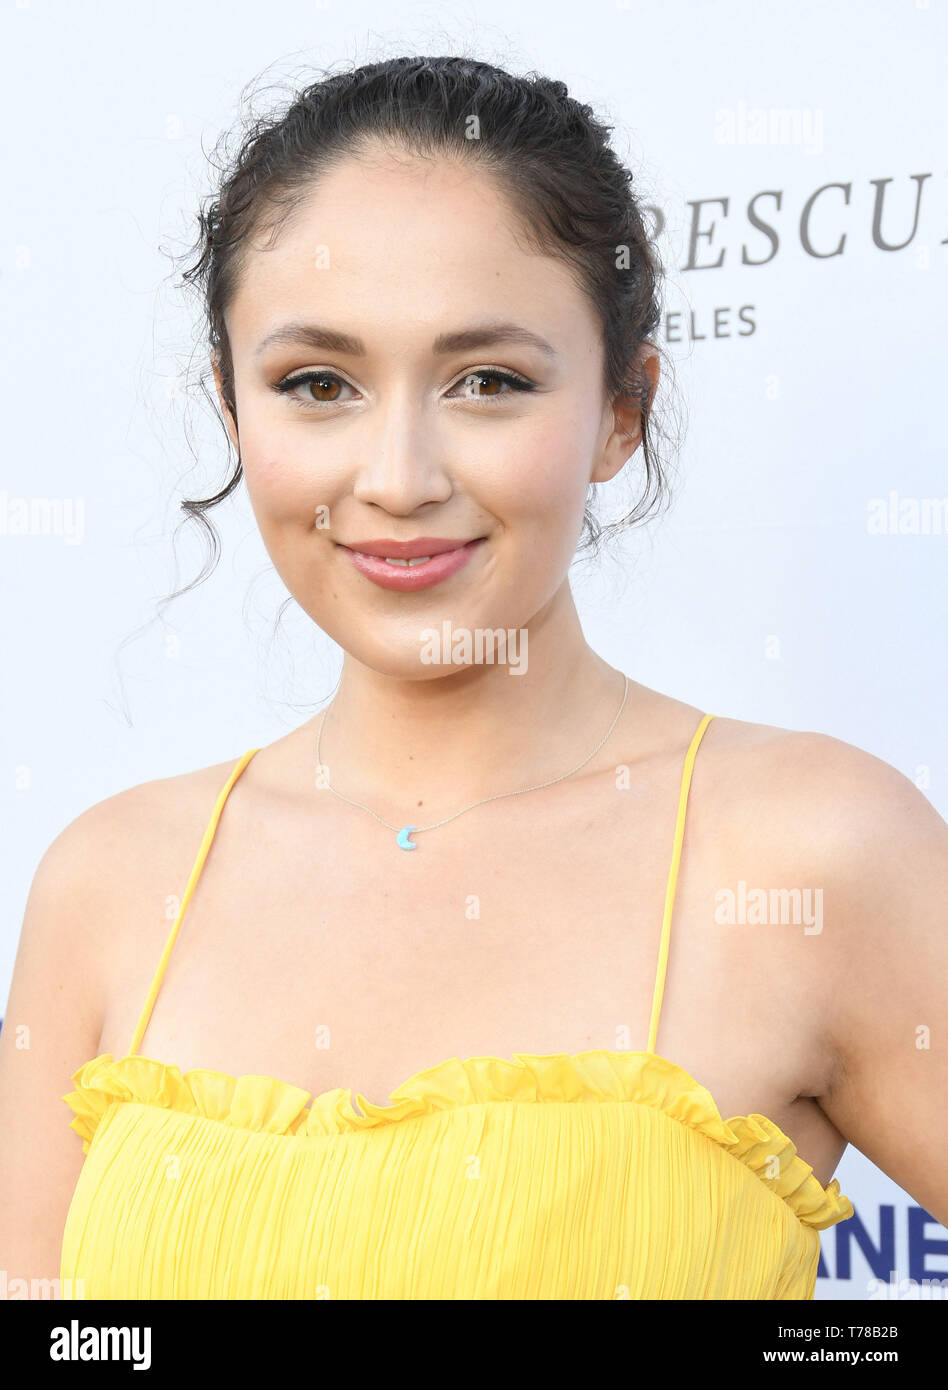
point(549, 156)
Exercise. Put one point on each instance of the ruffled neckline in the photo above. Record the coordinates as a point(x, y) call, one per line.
point(267, 1106)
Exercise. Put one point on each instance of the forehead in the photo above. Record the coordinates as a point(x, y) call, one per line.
point(395, 238)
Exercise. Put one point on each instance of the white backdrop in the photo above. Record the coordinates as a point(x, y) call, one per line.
point(799, 578)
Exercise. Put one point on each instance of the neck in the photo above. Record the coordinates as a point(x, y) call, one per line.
point(402, 744)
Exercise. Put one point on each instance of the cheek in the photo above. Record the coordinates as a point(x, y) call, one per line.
point(288, 504)
point(286, 492)
point(542, 485)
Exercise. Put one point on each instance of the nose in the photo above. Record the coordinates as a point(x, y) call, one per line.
point(400, 468)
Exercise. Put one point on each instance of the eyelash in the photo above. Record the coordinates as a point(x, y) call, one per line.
point(289, 384)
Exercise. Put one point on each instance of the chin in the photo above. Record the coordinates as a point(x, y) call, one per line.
point(435, 647)
point(405, 665)
point(434, 641)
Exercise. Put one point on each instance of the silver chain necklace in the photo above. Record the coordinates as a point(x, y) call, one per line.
point(402, 833)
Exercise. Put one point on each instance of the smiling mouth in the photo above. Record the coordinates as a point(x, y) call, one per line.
point(420, 564)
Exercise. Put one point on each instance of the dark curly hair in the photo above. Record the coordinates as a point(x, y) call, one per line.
point(549, 155)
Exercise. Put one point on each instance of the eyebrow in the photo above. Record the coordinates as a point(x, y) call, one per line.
point(483, 335)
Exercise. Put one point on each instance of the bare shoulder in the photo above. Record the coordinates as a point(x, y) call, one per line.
point(800, 788)
point(113, 855)
point(139, 818)
point(814, 793)
point(800, 809)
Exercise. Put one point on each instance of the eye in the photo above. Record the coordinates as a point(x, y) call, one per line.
point(315, 381)
point(510, 379)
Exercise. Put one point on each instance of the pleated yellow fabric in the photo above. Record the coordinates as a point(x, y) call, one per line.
point(595, 1175)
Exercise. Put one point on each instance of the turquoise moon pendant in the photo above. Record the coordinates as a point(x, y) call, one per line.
point(402, 837)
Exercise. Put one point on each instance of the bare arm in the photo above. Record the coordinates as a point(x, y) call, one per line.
point(52, 1025)
point(889, 1023)
point(89, 922)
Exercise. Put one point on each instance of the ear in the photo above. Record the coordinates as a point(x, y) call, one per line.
point(626, 435)
point(229, 420)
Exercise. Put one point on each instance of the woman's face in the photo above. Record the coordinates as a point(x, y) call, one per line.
point(366, 345)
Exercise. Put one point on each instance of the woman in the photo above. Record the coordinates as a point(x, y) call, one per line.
point(432, 303)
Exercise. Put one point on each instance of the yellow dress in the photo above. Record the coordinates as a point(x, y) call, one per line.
point(597, 1175)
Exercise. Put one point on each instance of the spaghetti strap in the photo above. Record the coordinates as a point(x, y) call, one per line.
point(673, 881)
point(191, 885)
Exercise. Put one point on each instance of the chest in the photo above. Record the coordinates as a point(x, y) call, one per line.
point(315, 951)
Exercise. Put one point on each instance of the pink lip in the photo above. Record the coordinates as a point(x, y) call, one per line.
point(447, 557)
point(407, 550)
